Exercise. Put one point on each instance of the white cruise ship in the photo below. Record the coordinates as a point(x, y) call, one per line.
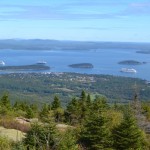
point(128, 70)
point(2, 63)
point(41, 62)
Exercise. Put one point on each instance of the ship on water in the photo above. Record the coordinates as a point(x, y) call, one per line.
point(128, 70)
point(41, 62)
point(2, 63)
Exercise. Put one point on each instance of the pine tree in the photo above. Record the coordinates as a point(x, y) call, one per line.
point(44, 112)
point(29, 113)
point(88, 99)
point(68, 141)
point(127, 135)
point(95, 134)
point(56, 103)
point(5, 102)
point(83, 95)
point(72, 113)
point(41, 136)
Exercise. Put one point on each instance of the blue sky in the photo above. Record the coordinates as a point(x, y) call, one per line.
point(85, 20)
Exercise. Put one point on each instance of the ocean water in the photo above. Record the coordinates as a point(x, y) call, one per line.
point(105, 61)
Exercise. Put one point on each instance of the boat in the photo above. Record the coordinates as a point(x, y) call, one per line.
point(2, 63)
point(128, 70)
point(41, 62)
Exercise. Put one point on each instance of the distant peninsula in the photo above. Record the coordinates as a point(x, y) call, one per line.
point(82, 65)
point(131, 62)
point(33, 67)
point(46, 44)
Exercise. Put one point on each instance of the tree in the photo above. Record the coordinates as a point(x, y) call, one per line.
point(58, 114)
point(5, 102)
point(68, 141)
point(29, 113)
point(44, 113)
point(83, 95)
point(41, 136)
point(72, 113)
point(56, 103)
point(95, 134)
point(127, 135)
point(88, 99)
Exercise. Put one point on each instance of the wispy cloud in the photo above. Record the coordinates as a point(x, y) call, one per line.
point(72, 10)
point(59, 12)
point(137, 9)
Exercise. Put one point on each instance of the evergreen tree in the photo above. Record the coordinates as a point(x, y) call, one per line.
point(5, 102)
point(83, 95)
point(72, 113)
point(99, 104)
point(41, 136)
point(127, 135)
point(88, 99)
point(68, 141)
point(95, 134)
point(44, 113)
point(29, 113)
point(56, 103)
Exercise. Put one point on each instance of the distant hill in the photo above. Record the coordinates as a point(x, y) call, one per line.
point(39, 44)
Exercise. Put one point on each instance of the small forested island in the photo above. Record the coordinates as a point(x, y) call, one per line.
point(131, 62)
point(25, 67)
point(82, 65)
point(143, 52)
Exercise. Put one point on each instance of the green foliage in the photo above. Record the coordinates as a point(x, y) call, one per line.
point(95, 134)
point(41, 136)
point(72, 113)
point(127, 135)
point(44, 113)
point(5, 106)
point(68, 141)
point(146, 110)
point(18, 146)
point(88, 99)
point(56, 103)
point(29, 113)
point(5, 102)
point(40, 88)
point(83, 95)
point(100, 126)
point(58, 114)
point(5, 144)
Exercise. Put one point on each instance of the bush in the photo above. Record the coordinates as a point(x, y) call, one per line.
point(5, 144)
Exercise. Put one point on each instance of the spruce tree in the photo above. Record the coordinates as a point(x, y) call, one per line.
point(44, 112)
point(127, 135)
point(68, 141)
point(88, 100)
point(72, 113)
point(5, 102)
point(56, 103)
point(95, 134)
point(83, 95)
point(41, 136)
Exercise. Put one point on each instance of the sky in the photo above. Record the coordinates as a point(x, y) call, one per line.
point(80, 20)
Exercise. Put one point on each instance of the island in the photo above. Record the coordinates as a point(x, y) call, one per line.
point(33, 67)
point(143, 52)
point(82, 65)
point(131, 62)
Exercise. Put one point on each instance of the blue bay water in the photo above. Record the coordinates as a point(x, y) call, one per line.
point(105, 61)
